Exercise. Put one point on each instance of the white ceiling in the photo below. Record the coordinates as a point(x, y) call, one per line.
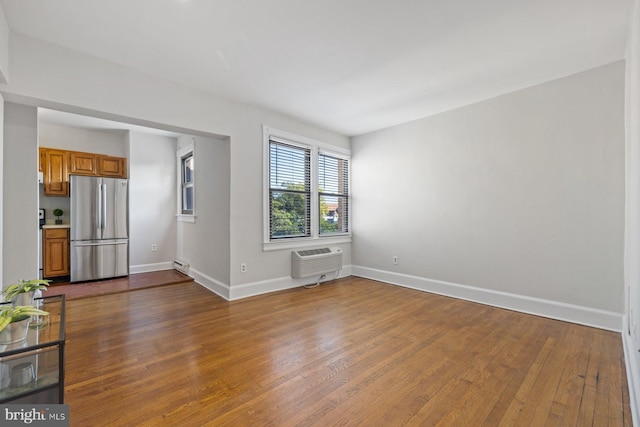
point(351, 66)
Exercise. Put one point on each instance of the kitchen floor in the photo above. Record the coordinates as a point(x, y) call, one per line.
point(121, 284)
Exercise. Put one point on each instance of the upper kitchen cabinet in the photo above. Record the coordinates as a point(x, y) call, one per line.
point(57, 165)
point(82, 163)
point(55, 172)
point(114, 167)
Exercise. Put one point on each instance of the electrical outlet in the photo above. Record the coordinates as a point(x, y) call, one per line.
point(243, 267)
point(154, 247)
point(396, 260)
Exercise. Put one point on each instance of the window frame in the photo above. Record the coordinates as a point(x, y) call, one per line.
point(315, 147)
point(308, 194)
point(182, 154)
point(347, 195)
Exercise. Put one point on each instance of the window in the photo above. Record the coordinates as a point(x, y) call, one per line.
point(186, 183)
point(289, 190)
point(306, 191)
point(333, 193)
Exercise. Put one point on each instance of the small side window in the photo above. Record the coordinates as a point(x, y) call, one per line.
point(186, 185)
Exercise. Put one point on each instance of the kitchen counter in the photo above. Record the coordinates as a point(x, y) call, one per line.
point(44, 227)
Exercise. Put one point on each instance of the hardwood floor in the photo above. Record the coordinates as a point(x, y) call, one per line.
point(120, 284)
point(349, 352)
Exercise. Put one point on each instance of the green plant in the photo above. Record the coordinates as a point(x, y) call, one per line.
point(58, 213)
point(15, 314)
point(24, 286)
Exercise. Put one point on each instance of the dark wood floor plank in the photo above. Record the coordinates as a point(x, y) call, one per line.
point(349, 352)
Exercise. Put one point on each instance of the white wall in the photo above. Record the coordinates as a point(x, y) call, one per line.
point(53, 77)
point(205, 243)
point(519, 197)
point(2, 186)
point(20, 194)
point(4, 48)
point(152, 201)
point(49, 203)
point(4, 77)
point(108, 142)
point(631, 331)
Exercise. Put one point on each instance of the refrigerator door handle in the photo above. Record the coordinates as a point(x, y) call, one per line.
point(104, 206)
point(99, 197)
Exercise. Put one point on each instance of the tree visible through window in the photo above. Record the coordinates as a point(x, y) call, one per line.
point(333, 192)
point(289, 190)
point(306, 190)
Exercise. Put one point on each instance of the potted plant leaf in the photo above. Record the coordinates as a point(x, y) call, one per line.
point(14, 322)
point(22, 293)
point(58, 213)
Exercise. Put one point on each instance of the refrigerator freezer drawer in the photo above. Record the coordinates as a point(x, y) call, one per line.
point(99, 260)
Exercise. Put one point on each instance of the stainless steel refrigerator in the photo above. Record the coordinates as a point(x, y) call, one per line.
point(99, 228)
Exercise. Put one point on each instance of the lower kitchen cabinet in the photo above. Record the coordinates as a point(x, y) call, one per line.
point(55, 248)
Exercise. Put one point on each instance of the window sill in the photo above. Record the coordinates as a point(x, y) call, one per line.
point(305, 243)
point(186, 218)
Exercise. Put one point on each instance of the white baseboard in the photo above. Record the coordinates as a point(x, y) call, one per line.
point(203, 280)
point(279, 284)
point(210, 283)
point(546, 308)
point(146, 268)
point(556, 310)
point(632, 363)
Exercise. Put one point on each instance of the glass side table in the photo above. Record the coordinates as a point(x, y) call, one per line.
point(32, 370)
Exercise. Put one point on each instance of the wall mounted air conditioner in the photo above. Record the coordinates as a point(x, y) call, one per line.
point(181, 266)
point(313, 262)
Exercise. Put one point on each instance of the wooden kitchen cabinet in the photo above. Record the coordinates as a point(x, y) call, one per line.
point(82, 163)
point(41, 159)
point(55, 172)
point(115, 167)
point(56, 166)
point(55, 252)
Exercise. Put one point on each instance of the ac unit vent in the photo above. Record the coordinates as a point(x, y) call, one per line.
point(311, 262)
point(181, 266)
point(310, 252)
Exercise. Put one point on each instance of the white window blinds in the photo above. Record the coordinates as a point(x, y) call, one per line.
point(333, 194)
point(289, 190)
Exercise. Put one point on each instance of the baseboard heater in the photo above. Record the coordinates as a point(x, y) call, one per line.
point(313, 262)
point(181, 266)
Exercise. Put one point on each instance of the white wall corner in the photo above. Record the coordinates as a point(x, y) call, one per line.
point(4, 48)
point(551, 309)
point(246, 290)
